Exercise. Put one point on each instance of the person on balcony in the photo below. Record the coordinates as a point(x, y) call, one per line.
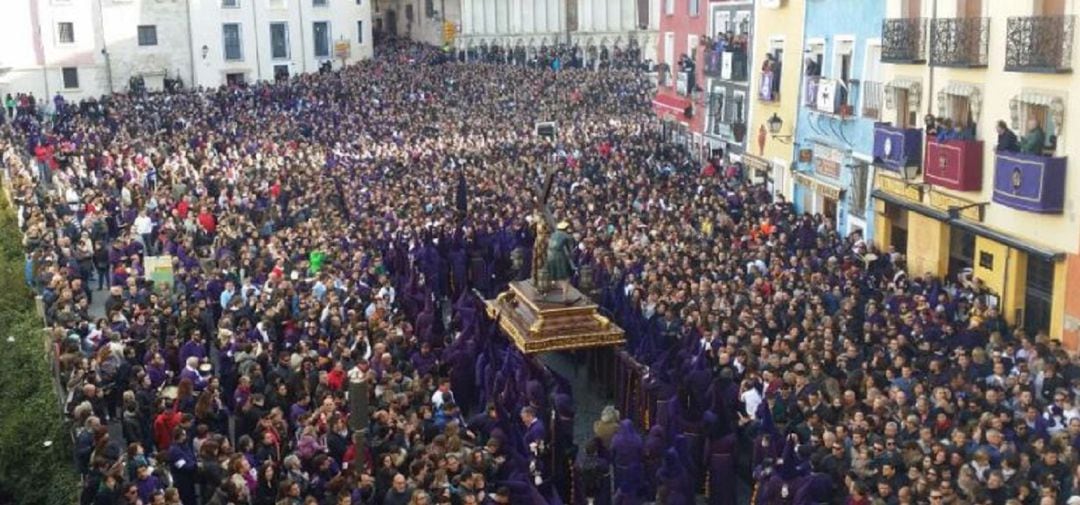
point(1034, 139)
point(1007, 141)
point(946, 131)
point(964, 131)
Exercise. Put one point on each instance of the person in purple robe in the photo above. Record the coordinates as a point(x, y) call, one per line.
point(627, 451)
point(676, 486)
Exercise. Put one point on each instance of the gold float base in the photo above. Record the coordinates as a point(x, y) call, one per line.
point(555, 321)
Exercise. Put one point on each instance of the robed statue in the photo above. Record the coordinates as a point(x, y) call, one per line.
point(552, 259)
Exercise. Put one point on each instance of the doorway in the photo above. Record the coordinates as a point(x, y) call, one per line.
point(898, 231)
point(1039, 295)
point(969, 8)
point(1049, 7)
point(903, 117)
point(391, 22)
point(961, 250)
point(911, 9)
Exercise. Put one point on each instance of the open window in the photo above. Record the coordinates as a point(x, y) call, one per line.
point(772, 70)
point(717, 102)
point(1033, 109)
point(903, 97)
point(815, 57)
point(961, 104)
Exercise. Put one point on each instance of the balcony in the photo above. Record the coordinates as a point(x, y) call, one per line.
point(1030, 182)
point(960, 42)
point(1039, 44)
point(898, 149)
point(829, 96)
point(903, 40)
point(729, 65)
point(955, 164)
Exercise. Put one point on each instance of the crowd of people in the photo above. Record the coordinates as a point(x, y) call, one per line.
point(320, 340)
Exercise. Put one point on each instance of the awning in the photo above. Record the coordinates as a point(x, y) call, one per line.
point(971, 226)
point(1055, 103)
point(904, 83)
point(960, 89)
point(1036, 98)
point(816, 185)
point(670, 103)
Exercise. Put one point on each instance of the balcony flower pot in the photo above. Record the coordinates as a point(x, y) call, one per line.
point(738, 130)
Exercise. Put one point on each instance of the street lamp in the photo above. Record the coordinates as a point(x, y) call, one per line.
point(775, 124)
point(205, 51)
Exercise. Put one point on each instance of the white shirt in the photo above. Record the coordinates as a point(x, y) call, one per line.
point(752, 399)
point(143, 225)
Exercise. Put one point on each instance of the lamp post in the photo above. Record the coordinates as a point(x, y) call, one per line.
point(774, 124)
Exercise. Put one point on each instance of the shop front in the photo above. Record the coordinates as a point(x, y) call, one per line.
point(942, 235)
point(819, 190)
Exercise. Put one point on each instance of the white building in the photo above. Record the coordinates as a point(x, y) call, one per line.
point(528, 23)
point(82, 48)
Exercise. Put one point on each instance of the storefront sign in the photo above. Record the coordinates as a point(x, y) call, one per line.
point(820, 187)
point(756, 165)
point(342, 49)
point(899, 188)
point(944, 202)
point(827, 161)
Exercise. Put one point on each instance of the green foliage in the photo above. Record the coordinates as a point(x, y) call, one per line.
point(30, 471)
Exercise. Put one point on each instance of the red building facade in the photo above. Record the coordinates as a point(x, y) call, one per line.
point(683, 25)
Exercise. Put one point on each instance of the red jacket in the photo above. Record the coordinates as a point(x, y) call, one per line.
point(335, 379)
point(207, 221)
point(164, 425)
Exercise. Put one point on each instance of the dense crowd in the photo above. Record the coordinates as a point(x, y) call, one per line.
point(318, 237)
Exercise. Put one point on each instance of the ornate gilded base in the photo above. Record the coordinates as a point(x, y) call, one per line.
point(551, 322)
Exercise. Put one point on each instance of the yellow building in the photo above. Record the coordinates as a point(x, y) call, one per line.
point(778, 40)
point(952, 201)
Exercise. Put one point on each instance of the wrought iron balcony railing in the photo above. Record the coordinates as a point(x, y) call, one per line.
point(1040, 44)
point(959, 42)
point(903, 40)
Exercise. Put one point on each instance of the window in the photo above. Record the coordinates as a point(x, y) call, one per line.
point(695, 8)
point(281, 72)
point(772, 70)
point(147, 35)
point(279, 40)
point(234, 79)
point(735, 112)
point(230, 34)
point(359, 32)
point(429, 8)
point(65, 32)
point(408, 13)
point(873, 90)
point(716, 111)
point(669, 7)
point(321, 31)
point(71, 77)
point(318, 3)
point(232, 4)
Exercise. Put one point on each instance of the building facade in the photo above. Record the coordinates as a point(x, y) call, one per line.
point(774, 90)
point(680, 72)
point(87, 48)
point(953, 202)
point(597, 27)
point(837, 110)
point(704, 62)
